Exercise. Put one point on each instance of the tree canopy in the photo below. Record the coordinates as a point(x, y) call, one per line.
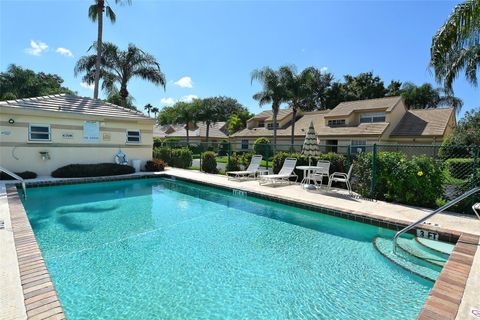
point(18, 82)
point(466, 132)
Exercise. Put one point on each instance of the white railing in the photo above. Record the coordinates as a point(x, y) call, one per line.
point(428, 216)
point(13, 175)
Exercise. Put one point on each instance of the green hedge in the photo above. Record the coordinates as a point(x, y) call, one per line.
point(181, 158)
point(163, 153)
point(23, 175)
point(209, 163)
point(417, 181)
point(460, 168)
point(262, 146)
point(155, 165)
point(92, 170)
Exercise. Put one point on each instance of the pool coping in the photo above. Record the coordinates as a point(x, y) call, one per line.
point(42, 301)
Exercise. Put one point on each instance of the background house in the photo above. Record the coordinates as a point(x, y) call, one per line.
point(197, 133)
point(44, 133)
point(364, 122)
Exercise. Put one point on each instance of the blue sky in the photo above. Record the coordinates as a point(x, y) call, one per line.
point(216, 44)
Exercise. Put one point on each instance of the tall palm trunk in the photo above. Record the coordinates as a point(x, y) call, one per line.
point(188, 135)
point(275, 108)
point(124, 94)
point(101, 5)
point(208, 130)
point(294, 117)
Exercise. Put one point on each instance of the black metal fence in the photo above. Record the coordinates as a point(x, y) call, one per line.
point(458, 166)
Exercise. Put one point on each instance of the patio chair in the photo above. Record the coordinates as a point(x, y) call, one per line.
point(283, 175)
point(323, 171)
point(341, 177)
point(476, 209)
point(251, 170)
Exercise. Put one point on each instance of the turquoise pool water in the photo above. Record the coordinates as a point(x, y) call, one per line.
point(161, 249)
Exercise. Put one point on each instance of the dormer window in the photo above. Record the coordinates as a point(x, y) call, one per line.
point(336, 123)
point(261, 124)
point(270, 126)
point(372, 117)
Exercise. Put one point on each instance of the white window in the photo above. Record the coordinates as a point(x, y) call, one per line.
point(244, 144)
point(39, 132)
point(336, 123)
point(358, 146)
point(270, 126)
point(133, 136)
point(372, 117)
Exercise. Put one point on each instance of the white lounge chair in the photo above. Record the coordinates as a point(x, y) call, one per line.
point(322, 171)
point(251, 170)
point(341, 177)
point(476, 209)
point(284, 175)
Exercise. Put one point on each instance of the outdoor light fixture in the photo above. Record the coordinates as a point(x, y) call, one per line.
point(44, 155)
point(11, 121)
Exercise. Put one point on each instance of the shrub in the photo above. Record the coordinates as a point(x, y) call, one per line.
point(337, 161)
point(416, 181)
point(155, 165)
point(247, 157)
point(181, 158)
point(163, 153)
point(262, 146)
point(234, 163)
point(92, 170)
point(209, 163)
point(460, 168)
point(23, 175)
point(157, 142)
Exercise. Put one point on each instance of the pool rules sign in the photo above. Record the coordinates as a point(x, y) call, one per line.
point(91, 132)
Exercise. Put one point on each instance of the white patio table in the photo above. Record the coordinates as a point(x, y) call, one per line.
point(307, 179)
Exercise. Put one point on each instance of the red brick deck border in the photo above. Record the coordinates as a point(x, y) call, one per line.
point(42, 302)
point(446, 295)
point(40, 298)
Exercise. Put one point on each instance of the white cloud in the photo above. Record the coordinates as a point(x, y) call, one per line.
point(323, 69)
point(64, 52)
point(87, 86)
point(36, 48)
point(184, 82)
point(170, 101)
point(189, 98)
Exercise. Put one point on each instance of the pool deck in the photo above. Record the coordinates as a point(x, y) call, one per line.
point(454, 296)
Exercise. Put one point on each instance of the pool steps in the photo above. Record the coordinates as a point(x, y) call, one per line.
point(415, 257)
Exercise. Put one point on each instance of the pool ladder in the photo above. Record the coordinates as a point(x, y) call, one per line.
point(13, 175)
point(431, 214)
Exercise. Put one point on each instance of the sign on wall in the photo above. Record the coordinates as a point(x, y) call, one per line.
point(67, 135)
point(91, 131)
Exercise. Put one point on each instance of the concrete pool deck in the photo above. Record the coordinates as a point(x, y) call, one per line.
point(468, 289)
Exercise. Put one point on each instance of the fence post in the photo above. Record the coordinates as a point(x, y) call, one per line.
point(349, 155)
point(374, 169)
point(228, 155)
point(267, 153)
point(475, 166)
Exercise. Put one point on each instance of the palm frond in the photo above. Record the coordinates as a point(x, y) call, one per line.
point(110, 14)
point(93, 12)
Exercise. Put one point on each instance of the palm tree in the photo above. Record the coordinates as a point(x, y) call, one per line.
point(95, 13)
point(299, 90)
point(208, 112)
point(120, 67)
point(273, 91)
point(148, 107)
point(426, 96)
point(155, 110)
point(456, 45)
point(185, 114)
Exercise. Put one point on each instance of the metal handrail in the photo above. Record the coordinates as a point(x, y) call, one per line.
point(13, 175)
point(442, 208)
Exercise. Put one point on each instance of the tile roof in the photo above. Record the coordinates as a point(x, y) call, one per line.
point(423, 122)
point(267, 115)
point(75, 104)
point(302, 124)
point(346, 108)
point(217, 130)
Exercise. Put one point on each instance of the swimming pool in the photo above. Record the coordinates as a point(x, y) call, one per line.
point(162, 249)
